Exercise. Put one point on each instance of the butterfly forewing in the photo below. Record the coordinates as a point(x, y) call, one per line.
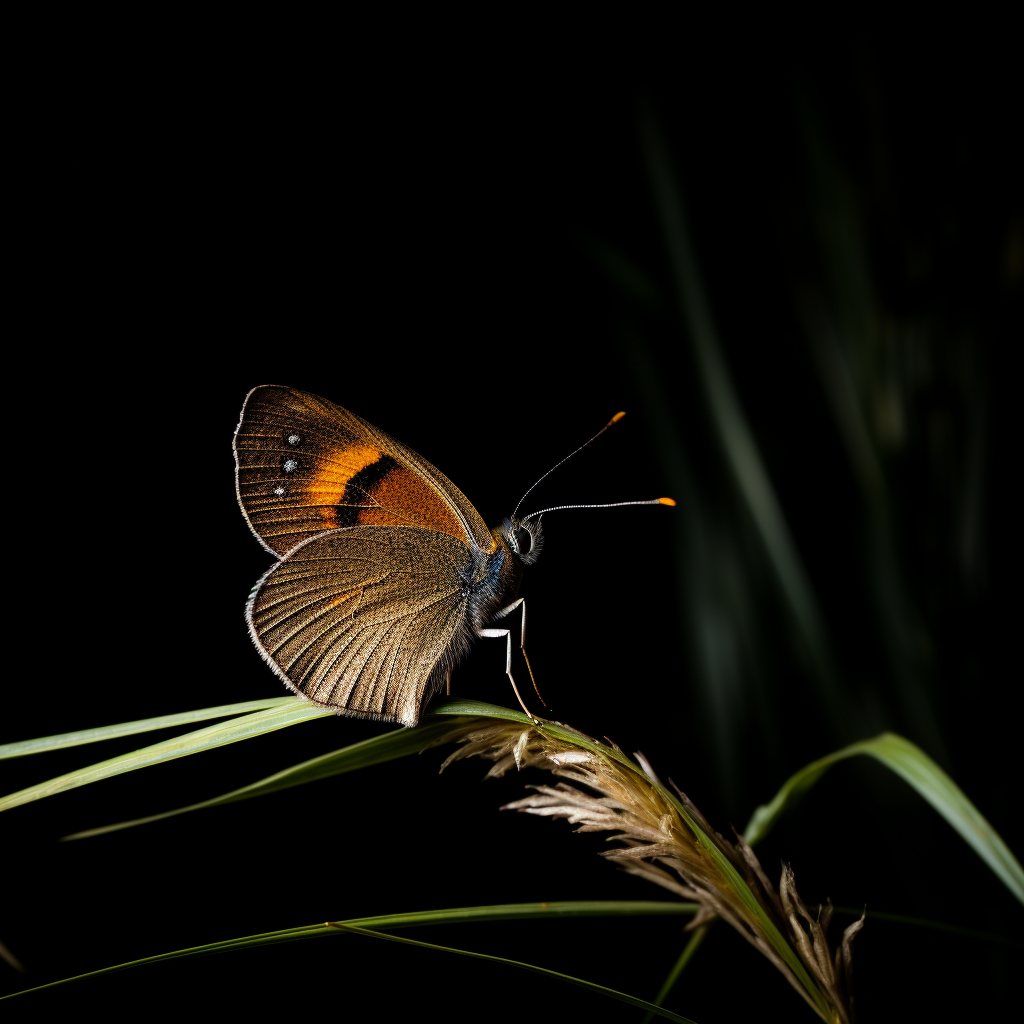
point(365, 619)
point(305, 465)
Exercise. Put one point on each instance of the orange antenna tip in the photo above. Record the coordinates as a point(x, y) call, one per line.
point(667, 501)
point(615, 419)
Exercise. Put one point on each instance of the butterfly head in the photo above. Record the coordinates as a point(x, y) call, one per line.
point(524, 535)
point(525, 538)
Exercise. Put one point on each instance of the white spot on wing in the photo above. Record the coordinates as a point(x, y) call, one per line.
point(294, 439)
point(279, 490)
point(290, 465)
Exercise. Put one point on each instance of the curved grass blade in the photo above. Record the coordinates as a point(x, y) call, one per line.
point(281, 717)
point(477, 708)
point(376, 750)
point(914, 766)
point(111, 732)
point(753, 906)
point(459, 915)
point(592, 986)
point(466, 709)
point(285, 712)
point(232, 731)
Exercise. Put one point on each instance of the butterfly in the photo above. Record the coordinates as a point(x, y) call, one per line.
point(385, 571)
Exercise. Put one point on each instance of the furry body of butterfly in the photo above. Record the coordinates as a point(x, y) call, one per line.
point(386, 572)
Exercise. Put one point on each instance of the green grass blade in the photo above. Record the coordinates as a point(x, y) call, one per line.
point(763, 820)
point(592, 986)
point(530, 911)
point(685, 957)
point(914, 766)
point(459, 915)
point(111, 732)
point(232, 731)
point(285, 711)
point(477, 708)
point(375, 750)
point(753, 905)
point(279, 718)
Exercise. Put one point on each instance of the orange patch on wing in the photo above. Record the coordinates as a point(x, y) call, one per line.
point(332, 476)
point(402, 499)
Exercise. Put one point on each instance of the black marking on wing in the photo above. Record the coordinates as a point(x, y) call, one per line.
point(359, 486)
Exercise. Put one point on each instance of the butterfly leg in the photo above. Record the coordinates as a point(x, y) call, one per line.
point(522, 642)
point(522, 646)
point(507, 634)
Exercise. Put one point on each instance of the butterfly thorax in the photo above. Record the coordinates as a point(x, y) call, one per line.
point(496, 581)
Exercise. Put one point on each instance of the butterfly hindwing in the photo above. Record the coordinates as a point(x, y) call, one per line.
point(305, 465)
point(365, 619)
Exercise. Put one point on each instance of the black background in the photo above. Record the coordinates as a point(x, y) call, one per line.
point(414, 240)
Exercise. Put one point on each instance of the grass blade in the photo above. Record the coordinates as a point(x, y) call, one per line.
point(531, 911)
point(478, 709)
point(375, 750)
point(371, 752)
point(592, 986)
point(232, 731)
point(685, 957)
point(110, 732)
point(914, 766)
point(285, 711)
point(458, 714)
point(459, 915)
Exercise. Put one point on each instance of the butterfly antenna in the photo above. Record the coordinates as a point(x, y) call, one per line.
point(614, 504)
point(615, 419)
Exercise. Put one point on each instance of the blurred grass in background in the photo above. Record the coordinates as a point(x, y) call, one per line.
point(834, 462)
point(823, 358)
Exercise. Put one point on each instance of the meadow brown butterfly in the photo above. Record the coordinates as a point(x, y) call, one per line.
point(385, 570)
